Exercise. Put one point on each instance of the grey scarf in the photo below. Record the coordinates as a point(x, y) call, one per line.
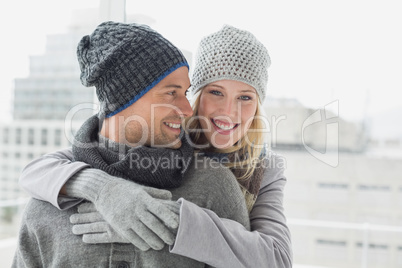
point(156, 167)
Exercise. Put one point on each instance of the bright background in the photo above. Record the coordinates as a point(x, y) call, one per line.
point(321, 50)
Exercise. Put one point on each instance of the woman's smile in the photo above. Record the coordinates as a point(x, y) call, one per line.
point(222, 127)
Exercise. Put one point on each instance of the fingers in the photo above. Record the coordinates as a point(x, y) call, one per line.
point(144, 233)
point(155, 231)
point(103, 238)
point(167, 216)
point(158, 193)
point(96, 227)
point(86, 207)
point(99, 238)
point(86, 218)
point(172, 205)
point(101, 233)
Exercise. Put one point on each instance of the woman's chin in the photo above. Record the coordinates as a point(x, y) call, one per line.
point(222, 145)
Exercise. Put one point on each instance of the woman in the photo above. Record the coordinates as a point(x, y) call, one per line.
point(229, 83)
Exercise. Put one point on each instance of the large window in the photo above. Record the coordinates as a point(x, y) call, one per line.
point(331, 106)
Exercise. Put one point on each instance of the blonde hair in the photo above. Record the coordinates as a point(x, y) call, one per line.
point(249, 146)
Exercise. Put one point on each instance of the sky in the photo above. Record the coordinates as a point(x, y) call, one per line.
point(321, 50)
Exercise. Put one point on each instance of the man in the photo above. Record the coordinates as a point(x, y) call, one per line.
point(141, 81)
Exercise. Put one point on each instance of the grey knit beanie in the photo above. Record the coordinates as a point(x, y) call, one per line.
point(124, 61)
point(231, 54)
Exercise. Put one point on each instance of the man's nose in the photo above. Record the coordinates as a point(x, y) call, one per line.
point(184, 106)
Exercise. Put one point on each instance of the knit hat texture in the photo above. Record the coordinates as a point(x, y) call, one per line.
point(231, 54)
point(124, 61)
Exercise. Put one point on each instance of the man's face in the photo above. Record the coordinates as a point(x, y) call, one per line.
point(155, 119)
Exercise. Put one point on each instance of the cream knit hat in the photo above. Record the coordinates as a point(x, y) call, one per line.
point(231, 54)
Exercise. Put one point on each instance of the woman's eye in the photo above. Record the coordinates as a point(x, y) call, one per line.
point(215, 92)
point(245, 98)
point(171, 93)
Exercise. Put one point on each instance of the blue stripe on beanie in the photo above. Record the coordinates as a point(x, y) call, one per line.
point(145, 90)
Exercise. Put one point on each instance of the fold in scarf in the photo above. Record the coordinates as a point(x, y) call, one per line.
point(251, 185)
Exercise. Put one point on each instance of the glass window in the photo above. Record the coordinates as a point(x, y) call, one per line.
point(18, 136)
point(331, 110)
point(44, 137)
point(31, 136)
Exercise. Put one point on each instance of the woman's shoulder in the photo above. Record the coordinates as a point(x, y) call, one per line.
point(274, 166)
point(273, 160)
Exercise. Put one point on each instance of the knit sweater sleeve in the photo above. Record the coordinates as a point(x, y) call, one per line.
point(44, 177)
point(226, 243)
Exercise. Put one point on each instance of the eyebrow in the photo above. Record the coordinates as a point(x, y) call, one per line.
point(173, 86)
point(242, 91)
point(212, 85)
point(248, 91)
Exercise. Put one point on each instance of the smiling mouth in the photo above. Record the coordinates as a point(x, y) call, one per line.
point(173, 125)
point(224, 125)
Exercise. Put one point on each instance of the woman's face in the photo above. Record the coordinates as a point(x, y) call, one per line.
point(226, 111)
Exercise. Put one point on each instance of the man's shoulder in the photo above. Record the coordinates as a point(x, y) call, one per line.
point(209, 184)
point(208, 168)
point(209, 175)
point(39, 213)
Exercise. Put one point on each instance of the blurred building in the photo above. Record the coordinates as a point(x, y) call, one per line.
point(294, 126)
point(352, 211)
point(23, 141)
point(341, 213)
point(46, 104)
point(53, 86)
